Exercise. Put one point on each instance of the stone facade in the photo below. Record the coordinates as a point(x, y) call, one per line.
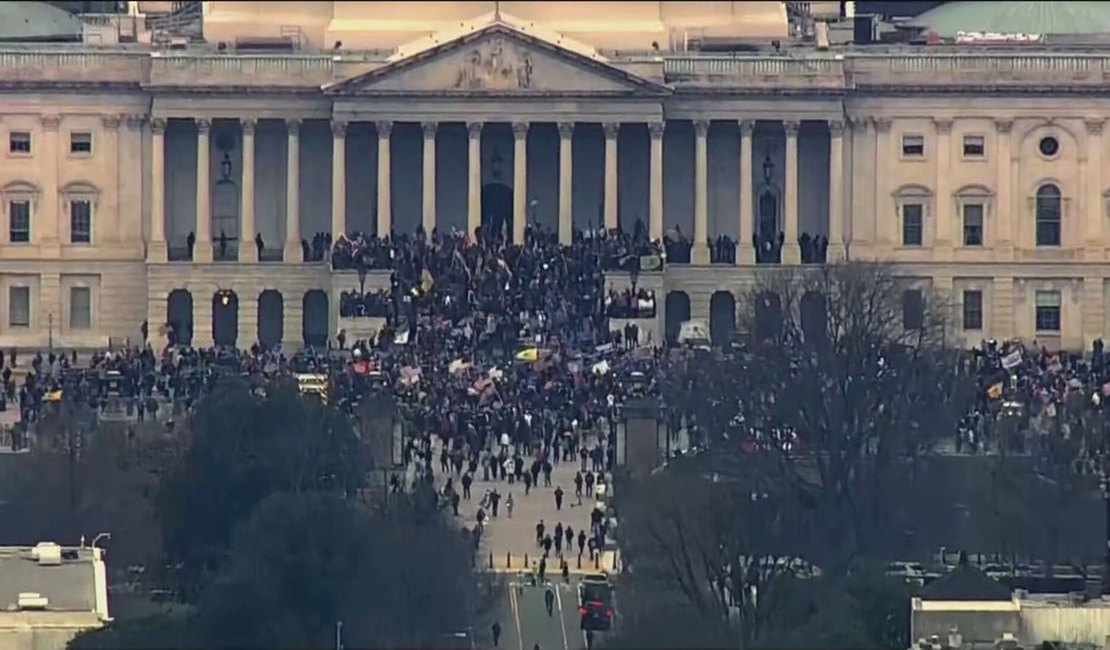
point(979, 174)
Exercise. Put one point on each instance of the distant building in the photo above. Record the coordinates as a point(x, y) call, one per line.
point(49, 594)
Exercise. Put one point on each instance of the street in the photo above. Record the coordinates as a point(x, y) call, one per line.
point(525, 623)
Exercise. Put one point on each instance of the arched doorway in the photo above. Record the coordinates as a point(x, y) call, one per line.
point(677, 310)
point(315, 329)
point(815, 317)
point(722, 317)
point(225, 318)
point(497, 209)
point(768, 315)
point(271, 314)
point(179, 316)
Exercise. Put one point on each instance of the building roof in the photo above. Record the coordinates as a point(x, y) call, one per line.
point(70, 586)
point(1026, 17)
point(37, 21)
point(965, 582)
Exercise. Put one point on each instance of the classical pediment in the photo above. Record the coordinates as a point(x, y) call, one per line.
point(498, 60)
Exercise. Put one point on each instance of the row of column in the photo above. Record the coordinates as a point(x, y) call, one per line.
point(202, 251)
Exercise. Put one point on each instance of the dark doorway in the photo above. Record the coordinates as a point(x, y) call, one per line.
point(225, 318)
point(768, 315)
point(271, 313)
point(315, 329)
point(815, 317)
point(677, 312)
point(497, 209)
point(722, 317)
point(179, 317)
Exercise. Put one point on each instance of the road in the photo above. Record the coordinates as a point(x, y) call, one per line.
point(525, 623)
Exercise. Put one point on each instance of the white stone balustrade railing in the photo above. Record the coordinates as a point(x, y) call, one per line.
point(72, 65)
point(979, 68)
point(764, 71)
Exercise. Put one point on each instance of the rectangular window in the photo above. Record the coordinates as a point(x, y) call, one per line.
point(973, 224)
point(913, 217)
point(913, 146)
point(19, 226)
point(80, 308)
point(974, 146)
point(19, 142)
point(913, 309)
point(19, 306)
point(973, 310)
point(80, 142)
point(1048, 311)
point(80, 221)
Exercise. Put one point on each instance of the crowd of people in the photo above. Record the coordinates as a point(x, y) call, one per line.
point(638, 303)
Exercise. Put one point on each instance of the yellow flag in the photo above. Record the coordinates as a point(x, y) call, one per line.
point(426, 281)
point(530, 355)
point(995, 391)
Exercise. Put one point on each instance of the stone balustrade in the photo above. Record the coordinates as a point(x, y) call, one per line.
point(31, 66)
point(295, 70)
point(759, 71)
point(979, 69)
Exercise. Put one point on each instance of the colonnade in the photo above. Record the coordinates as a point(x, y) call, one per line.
point(248, 253)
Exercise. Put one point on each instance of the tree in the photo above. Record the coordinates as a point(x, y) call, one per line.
point(243, 448)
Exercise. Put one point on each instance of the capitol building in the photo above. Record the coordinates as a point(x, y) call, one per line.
point(169, 162)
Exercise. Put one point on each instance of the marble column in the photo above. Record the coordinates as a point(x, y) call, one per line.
point(1095, 203)
point(700, 251)
point(202, 249)
point(429, 182)
point(566, 183)
point(745, 244)
point(248, 251)
point(338, 179)
point(791, 252)
point(385, 205)
point(655, 190)
point(1003, 210)
point(246, 333)
point(944, 205)
point(836, 251)
point(293, 253)
point(157, 250)
point(611, 215)
point(520, 181)
point(473, 177)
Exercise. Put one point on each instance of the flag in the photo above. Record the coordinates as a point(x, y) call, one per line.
point(529, 355)
point(426, 281)
point(995, 391)
point(457, 366)
point(53, 396)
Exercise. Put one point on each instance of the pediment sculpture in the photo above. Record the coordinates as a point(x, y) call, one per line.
point(494, 66)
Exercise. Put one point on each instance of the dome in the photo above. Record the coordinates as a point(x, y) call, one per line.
point(37, 21)
point(1016, 18)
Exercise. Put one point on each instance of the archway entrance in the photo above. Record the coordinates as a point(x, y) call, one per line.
point(179, 316)
point(722, 317)
point(677, 312)
point(815, 317)
point(768, 315)
point(225, 318)
point(315, 329)
point(271, 314)
point(497, 209)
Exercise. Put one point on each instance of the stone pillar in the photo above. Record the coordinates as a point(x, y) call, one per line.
point(474, 177)
point(108, 230)
point(45, 231)
point(520, 180)
point(247, 333)
point(791, 252)
point(156, 249)
point(202, 249)
point(293, 253)
point(248, 250)
point(655, 197)
point(1003, 322)
point(612, 218)
point(745, 244)
point(566, 183)
point(202, 319)
point(338, 179)
point(1094, 309)
point(132, 200)
point(1003, 212)
point(292, 323)
point(836, 192)
point(944, 205)
point(700, 250)
point(429, 183)
point(882, 209)
point(385, 206)
point(1095, 204)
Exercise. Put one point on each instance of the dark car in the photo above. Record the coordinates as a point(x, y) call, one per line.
point(596, 605)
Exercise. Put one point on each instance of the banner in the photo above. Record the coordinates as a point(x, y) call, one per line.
point(1012, 360)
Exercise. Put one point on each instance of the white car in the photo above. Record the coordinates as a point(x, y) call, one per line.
point(908, 571)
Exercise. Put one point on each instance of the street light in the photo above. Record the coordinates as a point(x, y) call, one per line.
point(96, 539)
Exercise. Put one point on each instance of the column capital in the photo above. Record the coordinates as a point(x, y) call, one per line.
point(1004, 125)
point(429, 129)
point(881, 124)
point(747, 127)
point(338, 129)
point(249, 124)
point(293, 127)
point(856, 121)
point(158, 125)
point(1094, 126)
point(51, 122)
point(204, 125)
point(791, 127)
point(474, 129)
point(701, 128)
point(520, 130)
point(836, 128)
point(656, 129)
point(111, 122)
point(135, 121)
point(943, 125)
point(384, 128)
point(612, 130)
point(566, 130)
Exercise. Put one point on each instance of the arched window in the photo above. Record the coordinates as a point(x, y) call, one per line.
point(1048, 209)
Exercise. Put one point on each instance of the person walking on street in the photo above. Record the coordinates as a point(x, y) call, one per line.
point(509, 505)
point(559, 498)
point(549, 600)
point(496, 629)
point(455, 503)
point(539, 533)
